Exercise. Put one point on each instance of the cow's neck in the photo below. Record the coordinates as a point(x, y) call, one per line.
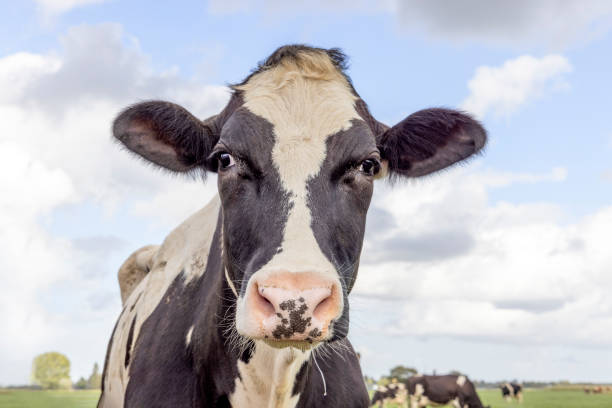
point(269, 378)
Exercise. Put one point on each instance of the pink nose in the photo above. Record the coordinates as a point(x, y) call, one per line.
point(292, 306)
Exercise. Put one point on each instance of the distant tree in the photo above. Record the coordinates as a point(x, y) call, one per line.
point(51, 371)
point(402, 373)
point(95, 379)
point(456, 372)
point(383, 381)
point(81, 384)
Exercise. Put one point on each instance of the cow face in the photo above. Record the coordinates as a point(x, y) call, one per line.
point(296, 152)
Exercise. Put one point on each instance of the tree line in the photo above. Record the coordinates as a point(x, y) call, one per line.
point(51, 371)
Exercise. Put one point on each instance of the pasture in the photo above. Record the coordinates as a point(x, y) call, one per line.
point(548, 398)
point(48, 399)
point(545, 398)
point(533, 399)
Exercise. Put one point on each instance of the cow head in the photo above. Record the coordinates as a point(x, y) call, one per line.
point(296, 153)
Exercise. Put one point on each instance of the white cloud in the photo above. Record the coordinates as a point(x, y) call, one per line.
point(553, 24)
point(55, 7)
point(501, 179)
point(527, 277)
point(502, 90)
point(525, 23)
point(30, 258)
point(275, 7)
point(56, 109)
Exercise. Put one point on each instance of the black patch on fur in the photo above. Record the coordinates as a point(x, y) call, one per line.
point(338, 198)
point(255, 206)
point(377, 127)
point(300, 379)
point(345, 387)
point(128, 345)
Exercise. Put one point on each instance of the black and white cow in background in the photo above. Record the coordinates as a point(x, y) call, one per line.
point(433, 390)
point(392, 393)
point(512, 390)
point(242, 303)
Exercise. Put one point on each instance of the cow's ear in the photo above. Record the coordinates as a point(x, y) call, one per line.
point(430, 140)
point(165, 134)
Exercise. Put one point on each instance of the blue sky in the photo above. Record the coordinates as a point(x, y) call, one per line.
point(524, 296)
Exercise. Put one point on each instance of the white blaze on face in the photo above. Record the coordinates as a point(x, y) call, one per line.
point(461, 380)
point(305, 105)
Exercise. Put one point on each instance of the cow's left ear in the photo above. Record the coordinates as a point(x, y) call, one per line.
point(430, 140)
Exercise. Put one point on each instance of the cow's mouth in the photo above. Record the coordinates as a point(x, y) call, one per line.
point(301, 345)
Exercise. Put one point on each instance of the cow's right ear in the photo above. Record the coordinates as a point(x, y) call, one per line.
point(165, 134)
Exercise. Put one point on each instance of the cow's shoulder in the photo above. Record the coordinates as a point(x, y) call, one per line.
point(134, 269)
point(179, 259)
point(186, 248)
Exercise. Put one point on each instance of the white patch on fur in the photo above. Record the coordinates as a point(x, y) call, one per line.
point(184, 250)
point(305, 105)
point(188, 337)
point(461, 380)
point(268, 378)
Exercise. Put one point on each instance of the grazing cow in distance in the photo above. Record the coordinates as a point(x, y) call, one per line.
point(427, 390)
point(512, 390)
point(394, 392)
point(242, 303)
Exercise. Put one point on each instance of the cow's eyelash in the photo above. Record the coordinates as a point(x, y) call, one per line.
point(352, 164)
point(243, 160)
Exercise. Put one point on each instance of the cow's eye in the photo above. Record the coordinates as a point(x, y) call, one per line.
point(370, 167)
point(225, 160)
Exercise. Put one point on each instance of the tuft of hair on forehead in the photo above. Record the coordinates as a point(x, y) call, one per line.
point(305, 61)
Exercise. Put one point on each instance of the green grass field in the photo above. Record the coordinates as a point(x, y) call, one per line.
point(48, 399)
point(549, 399)
point(533, 399)
point(545, 398)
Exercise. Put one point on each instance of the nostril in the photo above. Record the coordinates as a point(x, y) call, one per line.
point(323, 309)
point(263, 303)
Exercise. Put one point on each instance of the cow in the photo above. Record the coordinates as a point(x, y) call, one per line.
point(245, 304)
point(512, 391)
point(433, 390)
point(394, 392)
